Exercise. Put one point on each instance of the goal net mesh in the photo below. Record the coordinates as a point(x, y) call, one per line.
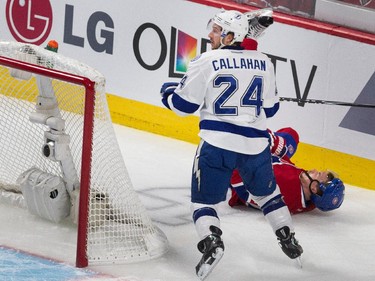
point(119, 228)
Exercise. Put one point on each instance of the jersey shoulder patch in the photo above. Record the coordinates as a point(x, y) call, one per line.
point(196, 58)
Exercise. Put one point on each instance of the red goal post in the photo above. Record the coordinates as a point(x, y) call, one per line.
point(46, 96)
point(81, 260)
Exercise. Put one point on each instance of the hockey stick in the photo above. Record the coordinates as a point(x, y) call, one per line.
point(327, 102)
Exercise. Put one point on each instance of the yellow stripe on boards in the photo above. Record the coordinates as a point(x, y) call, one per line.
point(153, 119)
point(352, 169)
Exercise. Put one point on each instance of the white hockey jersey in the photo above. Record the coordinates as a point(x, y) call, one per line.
point(235, 91)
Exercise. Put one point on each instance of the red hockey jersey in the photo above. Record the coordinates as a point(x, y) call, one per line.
point(287, 178)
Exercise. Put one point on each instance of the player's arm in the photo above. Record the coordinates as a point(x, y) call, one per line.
point(167, 89)
point(271, 102)
point(176, 102)
point(240, 195)
point(277, 144)
point(186, 96)
point(284, 142)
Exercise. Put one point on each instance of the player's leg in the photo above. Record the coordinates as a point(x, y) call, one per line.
point(210, 180)
point(257, 174)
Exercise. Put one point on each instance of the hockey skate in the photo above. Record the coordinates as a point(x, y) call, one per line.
point(212, 248)
point(289, 244)
point(259, 20)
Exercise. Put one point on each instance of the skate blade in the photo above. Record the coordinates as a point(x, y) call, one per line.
point(299, 262)
point(206, 269)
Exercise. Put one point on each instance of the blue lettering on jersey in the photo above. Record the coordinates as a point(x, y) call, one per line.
point(183, 80)
point(238, 63)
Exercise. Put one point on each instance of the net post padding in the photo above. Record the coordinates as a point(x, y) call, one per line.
point(113, 225)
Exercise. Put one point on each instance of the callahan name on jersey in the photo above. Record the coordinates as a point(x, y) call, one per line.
point(237, 63)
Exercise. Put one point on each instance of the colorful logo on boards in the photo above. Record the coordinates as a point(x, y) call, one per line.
point(183, 50)
point(186, 51)
point(29, 21)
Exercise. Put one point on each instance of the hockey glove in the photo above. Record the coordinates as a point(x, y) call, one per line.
point(277, 145)
point(166, 90)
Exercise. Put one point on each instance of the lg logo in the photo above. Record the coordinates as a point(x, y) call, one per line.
point(96, 19)
point(29, 21)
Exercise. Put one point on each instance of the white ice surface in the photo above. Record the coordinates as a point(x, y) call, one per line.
point(338, 246)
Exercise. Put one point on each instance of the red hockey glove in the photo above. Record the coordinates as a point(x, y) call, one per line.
point(277, 144)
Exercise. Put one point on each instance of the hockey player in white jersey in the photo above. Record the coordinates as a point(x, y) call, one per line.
point(235, 92)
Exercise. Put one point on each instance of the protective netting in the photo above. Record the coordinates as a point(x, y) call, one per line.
point(120, 229)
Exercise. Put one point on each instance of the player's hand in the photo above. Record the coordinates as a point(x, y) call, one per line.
point(277, 144)
point(166, 90)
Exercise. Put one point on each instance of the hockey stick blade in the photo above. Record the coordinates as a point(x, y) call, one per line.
point(327, 102)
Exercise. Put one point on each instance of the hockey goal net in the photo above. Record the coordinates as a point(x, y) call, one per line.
point(57, 143)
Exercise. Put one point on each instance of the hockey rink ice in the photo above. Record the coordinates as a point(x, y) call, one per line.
point(338, 245)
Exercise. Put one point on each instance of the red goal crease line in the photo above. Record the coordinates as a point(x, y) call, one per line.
point(15, 263)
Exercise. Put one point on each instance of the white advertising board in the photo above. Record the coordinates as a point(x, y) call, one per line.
point(138, 45)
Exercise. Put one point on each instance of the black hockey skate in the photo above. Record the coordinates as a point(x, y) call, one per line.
point(288, 243)
point(212, 248)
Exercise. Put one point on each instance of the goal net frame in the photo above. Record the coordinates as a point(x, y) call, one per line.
point(156, 244)
point(81, 258)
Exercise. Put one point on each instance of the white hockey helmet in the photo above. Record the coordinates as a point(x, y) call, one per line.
point(232, 21)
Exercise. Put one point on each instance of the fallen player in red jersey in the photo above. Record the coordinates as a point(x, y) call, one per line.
point(302, 190)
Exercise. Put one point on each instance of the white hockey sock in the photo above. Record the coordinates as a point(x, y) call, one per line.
point(279, 218)
point(203, 223)
point(279, 215)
